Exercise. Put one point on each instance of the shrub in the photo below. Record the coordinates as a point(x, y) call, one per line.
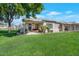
point(43, 28)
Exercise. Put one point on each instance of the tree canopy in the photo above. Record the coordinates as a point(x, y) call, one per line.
point(10, 10)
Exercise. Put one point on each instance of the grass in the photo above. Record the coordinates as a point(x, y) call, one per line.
point(51, 44)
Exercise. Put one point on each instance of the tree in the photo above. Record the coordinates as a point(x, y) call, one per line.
point(32, 9)
point(10, 10)
point(36, 9)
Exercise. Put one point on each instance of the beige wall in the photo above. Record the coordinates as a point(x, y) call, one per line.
point(55, 26)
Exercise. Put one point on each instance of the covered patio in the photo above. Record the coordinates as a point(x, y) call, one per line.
point(33, 26)
point(71, 27)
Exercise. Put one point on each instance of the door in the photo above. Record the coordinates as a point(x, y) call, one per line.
point(29, 27)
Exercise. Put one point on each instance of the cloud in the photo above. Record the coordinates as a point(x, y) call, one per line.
point(54, 13)
point(72, 16)
point(69, 18)
point(45, 11)
point(68, 12)
point(40, 16)
point(66, 18)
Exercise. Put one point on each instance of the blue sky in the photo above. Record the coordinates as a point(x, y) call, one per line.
point(64, 12)
point(68, 12)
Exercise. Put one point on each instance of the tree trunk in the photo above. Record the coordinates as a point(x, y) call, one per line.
point(28, 15)
point(9, 25)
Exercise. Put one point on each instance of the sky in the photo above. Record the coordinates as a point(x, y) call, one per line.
point(63, 12)
point(67, 12)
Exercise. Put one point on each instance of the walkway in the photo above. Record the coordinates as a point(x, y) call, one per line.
point(32, 33)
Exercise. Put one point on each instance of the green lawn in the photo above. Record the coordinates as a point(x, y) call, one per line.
point(66, 43)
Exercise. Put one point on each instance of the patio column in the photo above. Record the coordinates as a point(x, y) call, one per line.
point(74, 27)
point(63, 27)
point(70, 27)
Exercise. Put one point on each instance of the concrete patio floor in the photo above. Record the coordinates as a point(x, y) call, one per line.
point(32, 33)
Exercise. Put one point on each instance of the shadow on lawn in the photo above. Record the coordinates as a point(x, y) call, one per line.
point(5, 33)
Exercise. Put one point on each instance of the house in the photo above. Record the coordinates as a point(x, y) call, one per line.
point(54, 26)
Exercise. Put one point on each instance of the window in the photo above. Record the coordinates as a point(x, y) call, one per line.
point(49, 26)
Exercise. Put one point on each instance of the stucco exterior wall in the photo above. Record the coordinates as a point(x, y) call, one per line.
point(55, 27)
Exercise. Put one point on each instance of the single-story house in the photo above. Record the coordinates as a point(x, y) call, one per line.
point(54, 26)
